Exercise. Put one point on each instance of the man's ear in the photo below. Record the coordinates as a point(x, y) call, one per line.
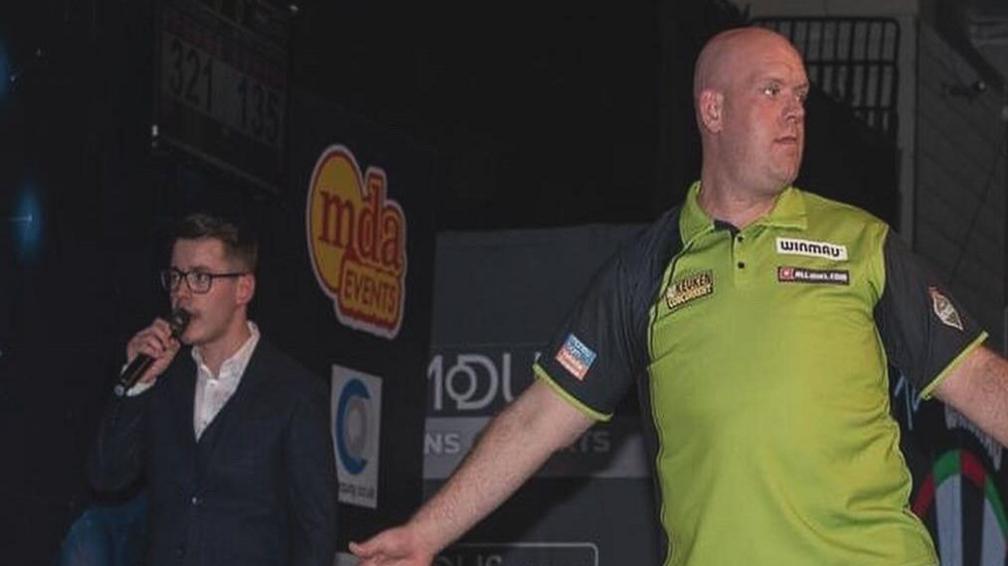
point(246, 288)
point(711, 103)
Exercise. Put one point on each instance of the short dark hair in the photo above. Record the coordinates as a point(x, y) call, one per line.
point(239, 243)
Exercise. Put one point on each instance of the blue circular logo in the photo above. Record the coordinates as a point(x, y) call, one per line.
point(353, 413)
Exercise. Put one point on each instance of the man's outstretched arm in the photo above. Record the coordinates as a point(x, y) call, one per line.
point(513, 446)
point(978, 388)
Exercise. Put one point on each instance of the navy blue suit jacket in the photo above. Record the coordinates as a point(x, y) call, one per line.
point(258, 488)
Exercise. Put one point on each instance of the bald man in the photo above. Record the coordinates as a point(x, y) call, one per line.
point(757, 321)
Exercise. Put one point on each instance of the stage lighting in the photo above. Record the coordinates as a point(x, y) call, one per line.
point(26, 224)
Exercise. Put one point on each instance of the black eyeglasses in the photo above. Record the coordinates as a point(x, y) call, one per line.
point(198, 281)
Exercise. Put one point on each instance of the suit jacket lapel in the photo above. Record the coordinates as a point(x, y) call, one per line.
point(182, 389)
point(232, 411)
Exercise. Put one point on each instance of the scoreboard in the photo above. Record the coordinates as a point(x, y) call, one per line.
point(221, 84)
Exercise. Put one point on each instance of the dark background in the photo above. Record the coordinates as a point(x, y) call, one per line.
point(534, 113)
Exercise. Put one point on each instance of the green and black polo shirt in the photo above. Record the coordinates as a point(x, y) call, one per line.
point(760, 356)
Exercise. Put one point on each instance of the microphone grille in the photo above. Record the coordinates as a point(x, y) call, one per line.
point(178, 321)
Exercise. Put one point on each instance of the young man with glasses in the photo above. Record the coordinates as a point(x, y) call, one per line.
point(232, 436)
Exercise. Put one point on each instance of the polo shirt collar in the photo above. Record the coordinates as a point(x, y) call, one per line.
point(788, 212)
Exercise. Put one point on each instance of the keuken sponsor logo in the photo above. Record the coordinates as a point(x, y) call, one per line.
point(689, 288)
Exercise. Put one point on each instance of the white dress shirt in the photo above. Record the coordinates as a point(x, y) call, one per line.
point(213, 391)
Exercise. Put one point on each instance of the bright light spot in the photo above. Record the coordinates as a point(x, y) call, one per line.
point(26, 223)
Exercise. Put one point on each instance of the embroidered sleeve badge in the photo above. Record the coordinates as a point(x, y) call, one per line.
point(944, 309)
point(575, 357)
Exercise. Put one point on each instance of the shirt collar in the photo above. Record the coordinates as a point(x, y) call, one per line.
point(234, 365)
point(788, 212)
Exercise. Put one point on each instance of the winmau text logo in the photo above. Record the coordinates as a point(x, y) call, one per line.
point(827, 250)
point(357, 243)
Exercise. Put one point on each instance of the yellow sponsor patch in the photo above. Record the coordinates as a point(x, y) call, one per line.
point(689, 288)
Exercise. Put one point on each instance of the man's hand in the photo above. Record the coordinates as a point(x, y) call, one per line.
point(399, 546)
point(511, 448)
point(157, 342)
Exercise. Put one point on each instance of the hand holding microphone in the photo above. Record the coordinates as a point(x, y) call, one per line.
point(151, 350)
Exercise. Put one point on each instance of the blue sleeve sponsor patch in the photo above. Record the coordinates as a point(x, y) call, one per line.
point(575, 357)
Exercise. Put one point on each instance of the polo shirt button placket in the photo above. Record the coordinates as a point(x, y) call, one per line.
point(740, 264)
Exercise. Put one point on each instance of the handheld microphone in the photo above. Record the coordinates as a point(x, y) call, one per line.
point(178, 321)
